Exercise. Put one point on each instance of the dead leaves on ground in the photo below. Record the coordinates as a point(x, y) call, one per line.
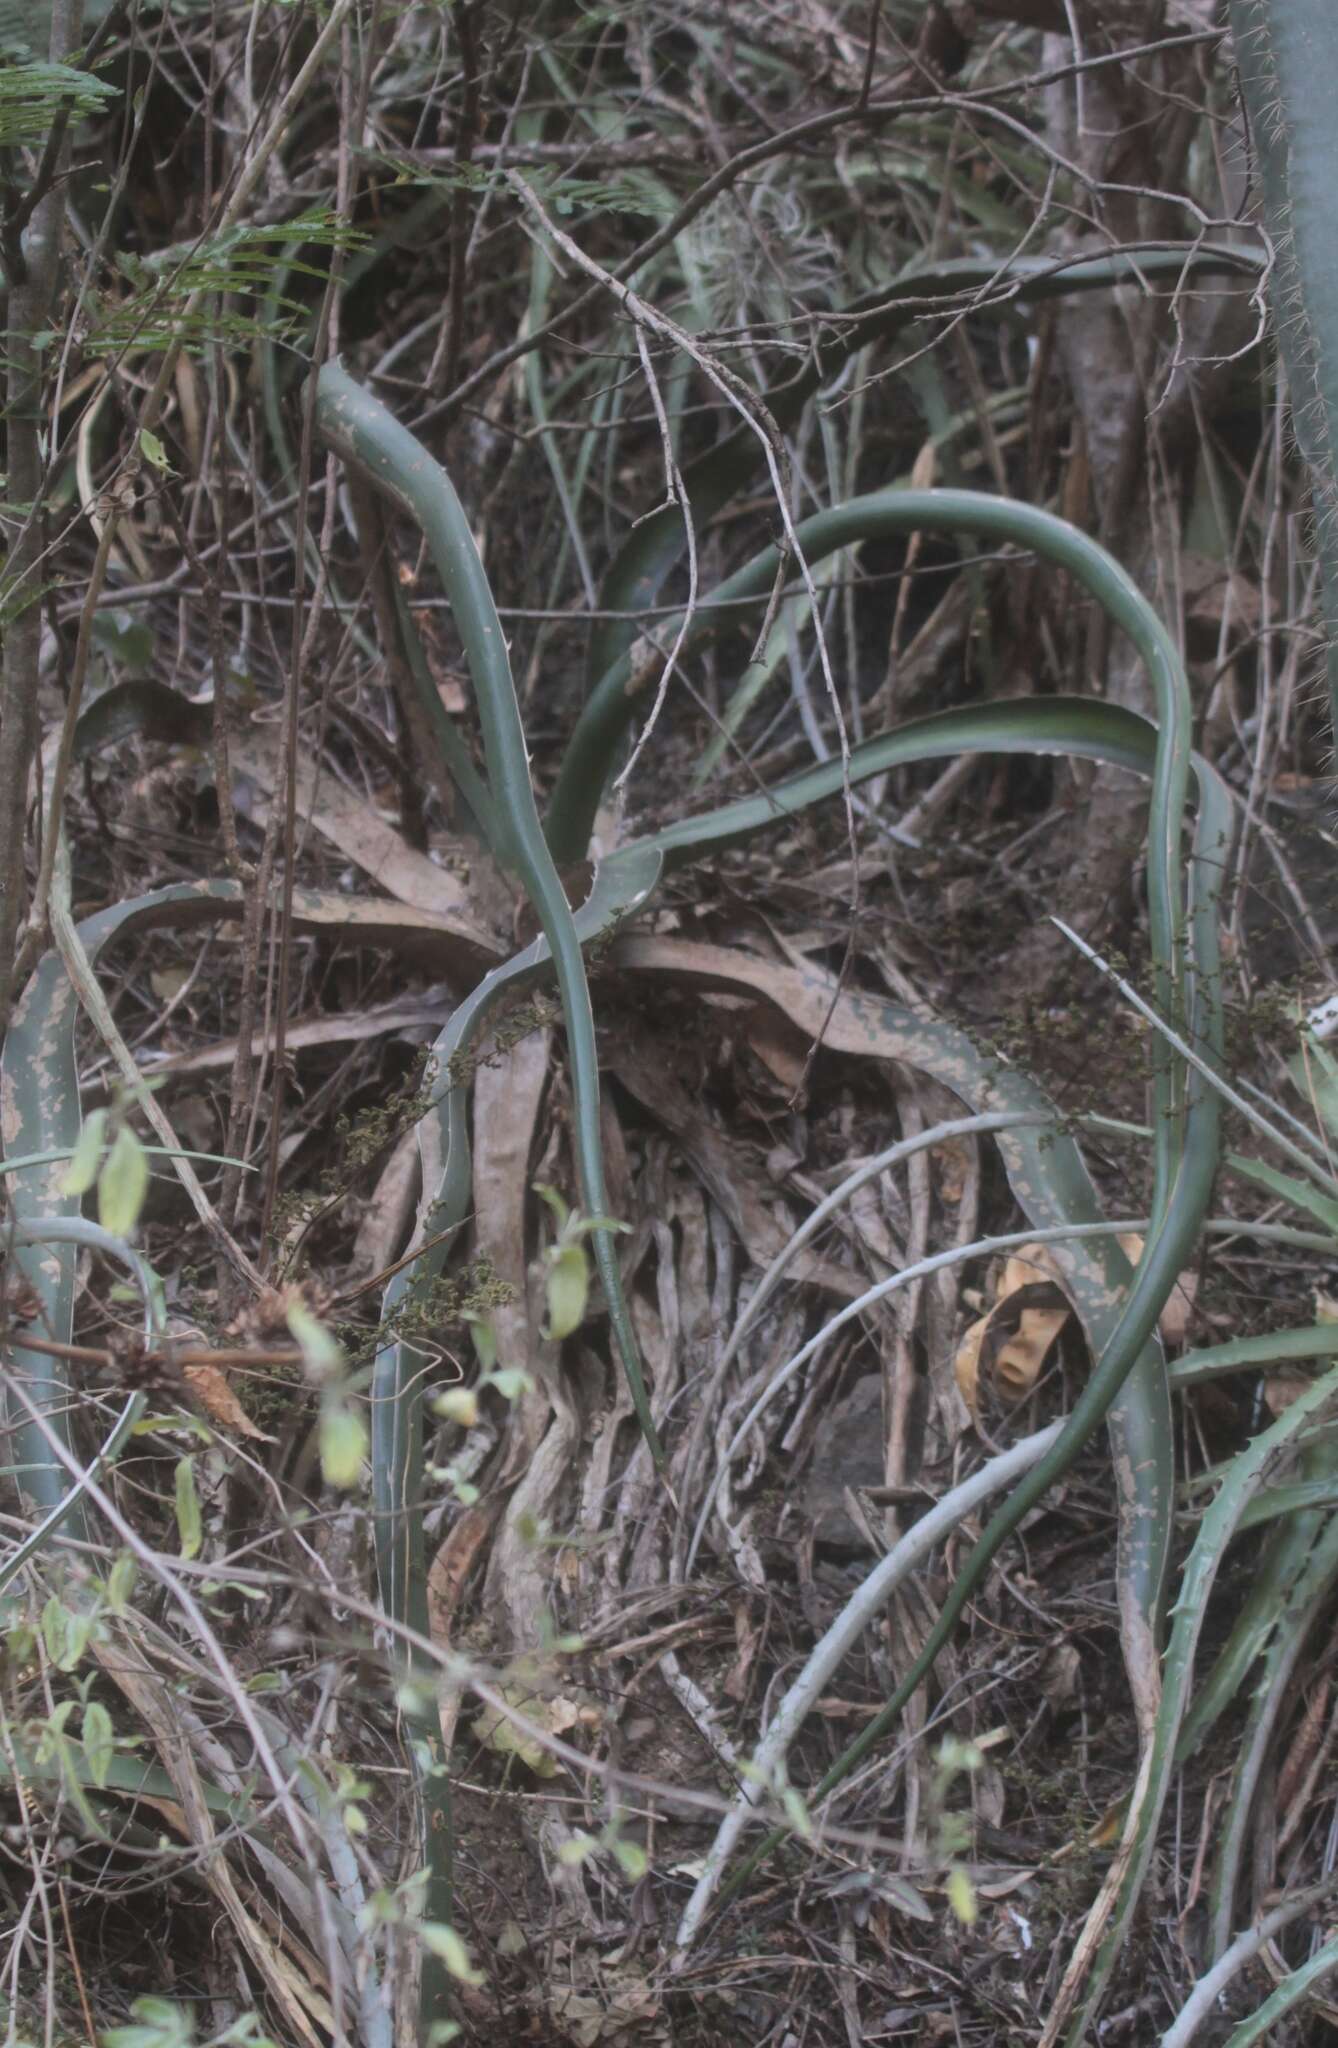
point(212, 1390)
point(1006, 1349)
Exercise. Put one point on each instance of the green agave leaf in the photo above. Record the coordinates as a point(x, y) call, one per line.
point(1297, 1615)
point(397, 1379)
point(1298, 1192)
point(1241, 1482)
point(1276, 1501)
point(620, 887)
point(390, 461)
point(614, 702)
point(1189, 1188)
point(1287, 1996)
point(1315, 1072)
point(1248, 1354)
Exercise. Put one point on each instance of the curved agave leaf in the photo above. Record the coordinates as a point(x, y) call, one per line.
point(1095, 731)
point(1298, 1609)
point(46, 1233)
point(1288, 1994)
point(620, 887)
point(634, 580)
point(39, 1113)
point(1134, 743)
point(590, 754)
point(1050, 1182)
point(388, 458)
point(1241, 1481)
point(397, 1379)
point(1247, 1354)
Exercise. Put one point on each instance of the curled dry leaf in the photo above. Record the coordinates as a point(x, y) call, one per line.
point(1060, 1674)
point(966, 1364)
point(1018, 1361)
point(1281, 1389)
point(210, 1387)
point(1010, 1345)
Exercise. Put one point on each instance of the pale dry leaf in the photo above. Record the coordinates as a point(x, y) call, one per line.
point(747, 1641)
point(925, 467)
point(966, 1364)
point(1017, 1363)
point(556, 1717)
point(167, 982)
point(988, 1795)
point(1003, 1887)
point(1174, 1320)
point(1012, 1357)
point(1281, 1389)
point(211, 1389)
point(1025, 1268)
point(778, 1046)
point(352, 824)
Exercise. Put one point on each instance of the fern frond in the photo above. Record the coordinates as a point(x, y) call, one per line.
point(215, 274)
point(33, 93)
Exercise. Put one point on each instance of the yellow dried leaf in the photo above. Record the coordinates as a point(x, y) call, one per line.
point(560, 1715)
point(1280, 1389)
point(220, 1404)
point(1028, 1267)
point(966, 1365)
point(925, 467)
point(1017, 1363)
point(1173, 1322)
point(167, 982)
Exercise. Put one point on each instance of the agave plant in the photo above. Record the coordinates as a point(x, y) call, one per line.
point(1120, 1305)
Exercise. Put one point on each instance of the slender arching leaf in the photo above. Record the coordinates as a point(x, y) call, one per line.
point(590, 754)
point(389, 460)
point(1176, 1225)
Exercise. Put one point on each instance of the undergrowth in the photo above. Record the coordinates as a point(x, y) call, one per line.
point(669, 1225)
